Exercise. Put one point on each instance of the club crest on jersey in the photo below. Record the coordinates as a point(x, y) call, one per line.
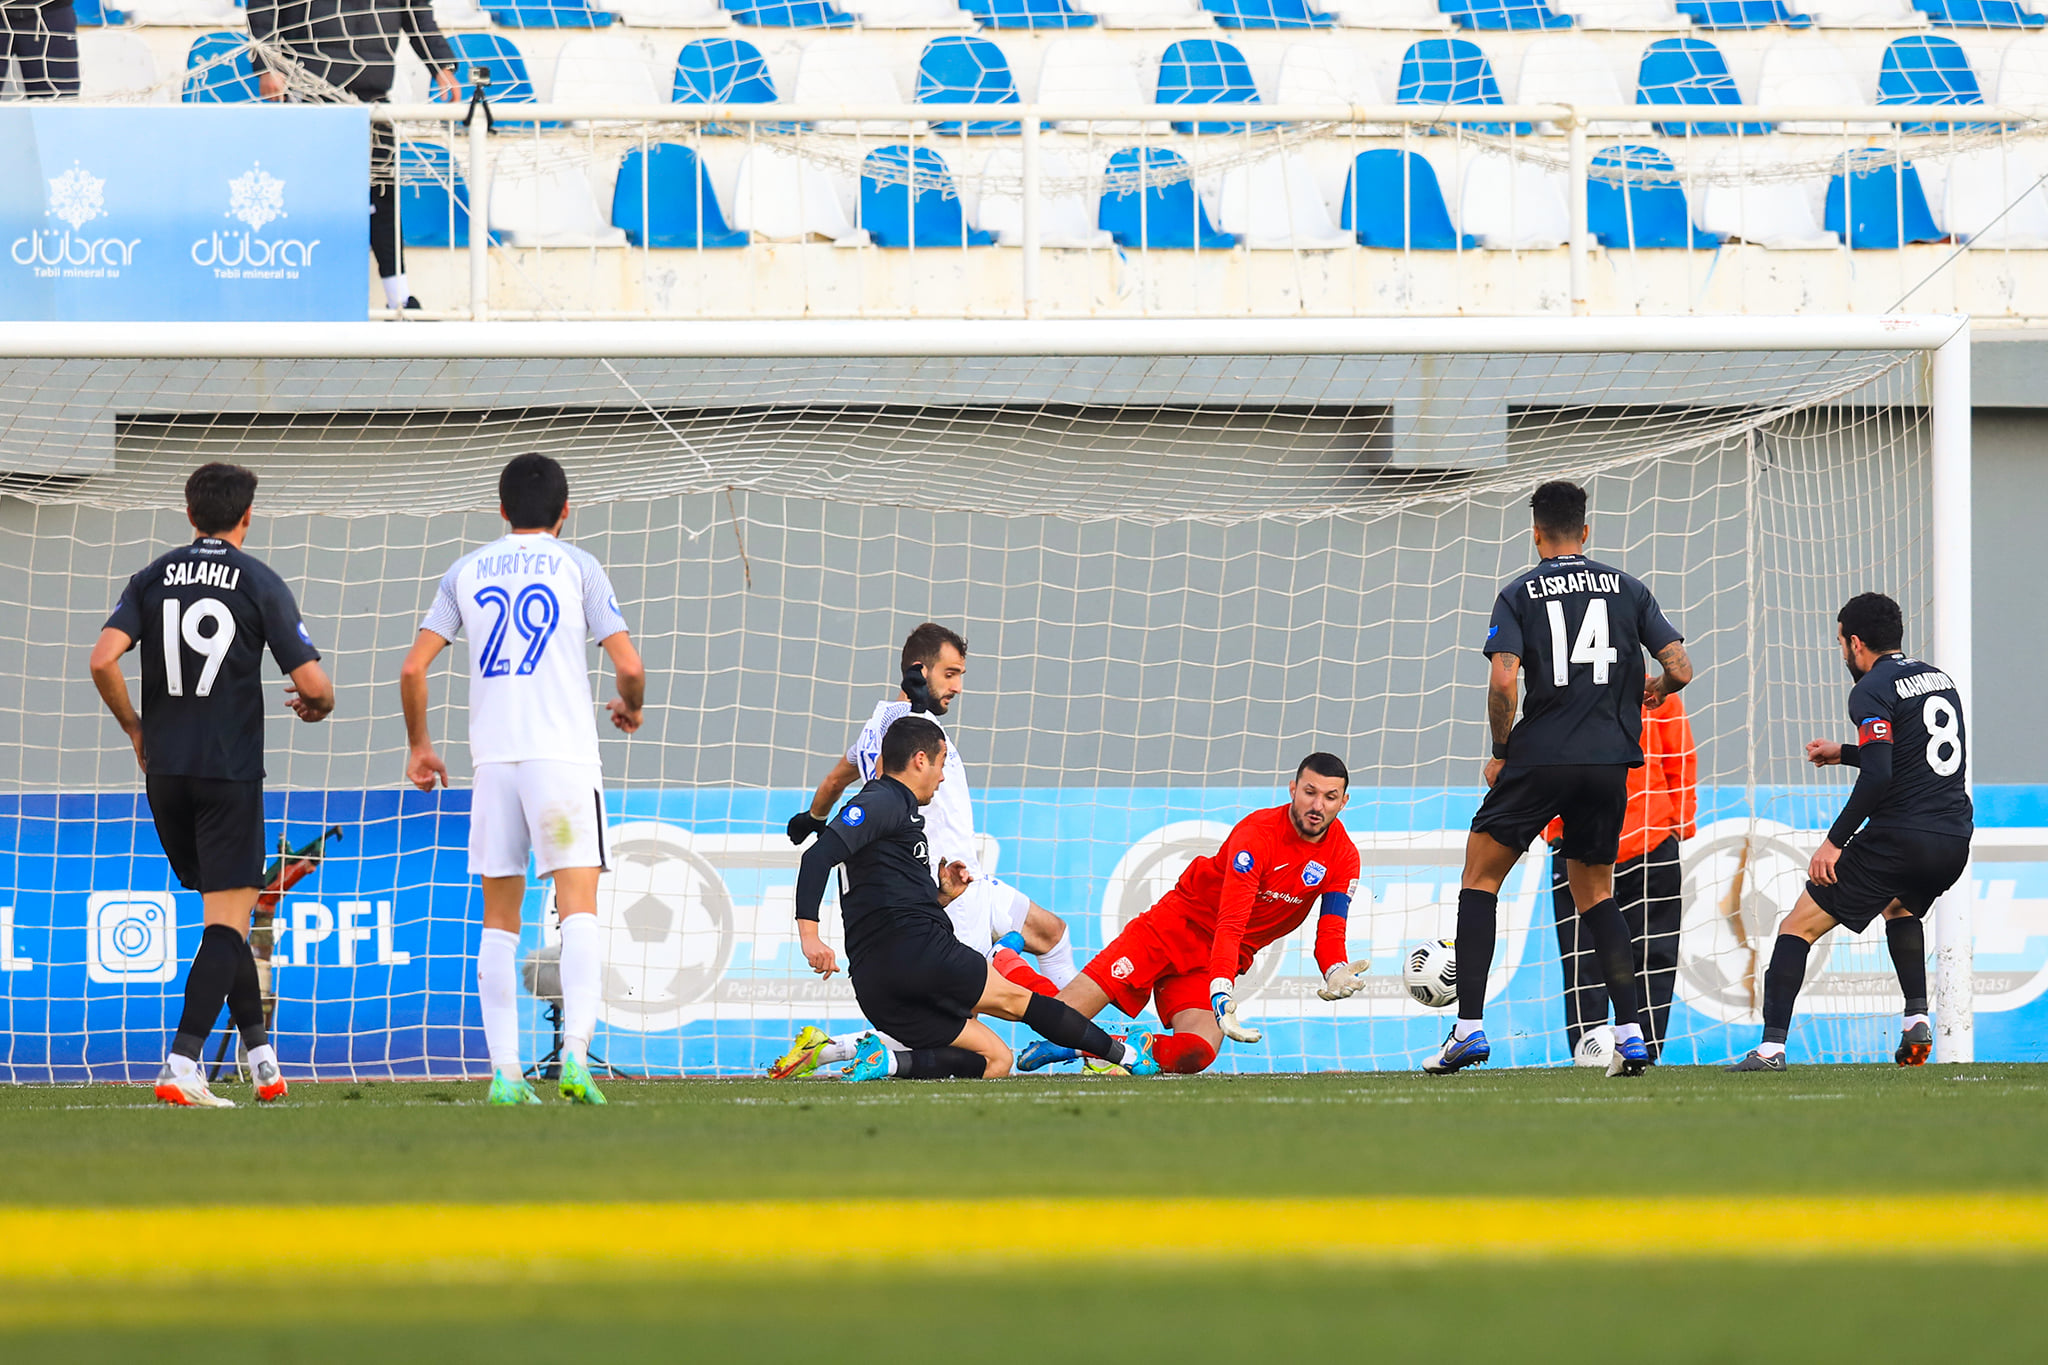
point(1243, 861)
point(1121, 969)
point(1312, 875)
point(853, 815)
point(1876, 730)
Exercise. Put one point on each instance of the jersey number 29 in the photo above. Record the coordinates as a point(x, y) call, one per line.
point(213, 647)
point(534, 614)
point(1590, 648)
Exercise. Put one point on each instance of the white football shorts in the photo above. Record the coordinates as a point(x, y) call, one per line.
point(553, 810)
point(985, 911)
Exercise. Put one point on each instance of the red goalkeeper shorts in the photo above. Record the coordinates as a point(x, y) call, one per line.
point(1146, 964)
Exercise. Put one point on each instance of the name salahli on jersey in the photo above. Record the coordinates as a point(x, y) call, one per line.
point(1920, 684)
point(180, 573)
point(1584, 580)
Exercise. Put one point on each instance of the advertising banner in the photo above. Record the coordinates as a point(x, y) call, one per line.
point(192, 212)
point(375, 949)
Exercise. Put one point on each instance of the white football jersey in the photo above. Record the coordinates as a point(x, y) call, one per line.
point(949, 819)
point(529, 604)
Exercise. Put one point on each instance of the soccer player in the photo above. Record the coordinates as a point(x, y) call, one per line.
point(203, 614)
point(539, 786)
point(992, 917)
point(1185, 954)
point(1578, 628)
point(1903, 838)
point(912, 975)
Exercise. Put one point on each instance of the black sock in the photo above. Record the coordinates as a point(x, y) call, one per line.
point(1058, 1022)
point(1615, 951)
point(245, 998)
point(1782, 980)
point(206, 988)
point(1908, 942)
point(940, 1063)
point(1477, 927)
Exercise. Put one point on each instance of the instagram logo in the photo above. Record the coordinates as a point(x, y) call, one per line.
point(130, 936)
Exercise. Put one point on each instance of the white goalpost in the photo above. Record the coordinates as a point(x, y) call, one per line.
point(1185, 553)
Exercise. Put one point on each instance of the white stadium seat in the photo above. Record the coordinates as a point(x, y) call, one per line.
point(460, 14)
point(1146, 13)
point(1275, 202)
point(547, 204)
point(183, 13)
point(1090, 71)
point(2022, 75)
point(1327, 73)
point(848, 69)
point(784, 198)
point(605, 69)
point(1780, 214)
point(1509, 203)
point(1566, 69)
point(1811, 70)
point(1395, 14)
point(1623, 14)
point(1993, 198)
point(908, 13)
point(669, 13)
point(1864, 13)
point(117, 66)
point(1066, 217)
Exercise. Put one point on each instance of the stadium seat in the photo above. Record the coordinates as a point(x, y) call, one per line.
point(433, 197)
point(1566, 68)
point(1993, 197)
point(117, 66)
point(782, 197)
point(669, 13)
point(1864, 14)
point(454, 14)
point(1451, 71)
point(789, 13)
point(1326, 73)
point(1811, 70)
point(1689, 71)
point(549, 14)
point(1066, 215)
point(1149, 202)
point(1402, 211)
point(1630, 15)
point(1978, 14)
point(1877, 203)
point(91, 14)
point(218, 70)
point(908, 13)
point(1742, 14)
point(181, 13)
point(1503, 14)
point(908, 198)
point(1206, 71)
point(1512, 204)
point(663, 198)
point(545, 202)
point(726, 71)
point(966, 69)
point(1635, 202)
point(1927, 69)
point(1782, 215)
point(848, 69)
point(1407, 16)
point(1147, 13)
point(1027, 14)
point(1266, 14)
point(1274, 203)
point(1092, 71)
point(604, 70)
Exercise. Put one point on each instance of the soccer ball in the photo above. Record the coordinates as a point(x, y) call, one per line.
point(1430, 972)
point(1596, 1045)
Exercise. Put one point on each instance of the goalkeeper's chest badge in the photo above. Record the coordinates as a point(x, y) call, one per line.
point(1312, 875)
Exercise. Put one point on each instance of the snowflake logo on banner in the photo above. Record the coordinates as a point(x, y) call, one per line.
point(256, 197)
point(77, 196)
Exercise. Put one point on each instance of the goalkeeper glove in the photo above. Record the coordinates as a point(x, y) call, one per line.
point(1226, 1012)
point(1344, 980)
point(918, 691)
point(803, 825)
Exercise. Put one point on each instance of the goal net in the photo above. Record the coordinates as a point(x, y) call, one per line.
point(1183, 555)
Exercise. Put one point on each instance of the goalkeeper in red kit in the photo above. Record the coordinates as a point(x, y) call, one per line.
point(1186, 953)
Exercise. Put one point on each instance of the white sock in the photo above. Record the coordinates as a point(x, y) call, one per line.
point(495, 973)
point(1057, 962)
point(1770, 1049)
point(581, 968)
point(396, 291)
point(1465, 1028)
point(183, 1067)
point(889, 1059)
point(1131, 1054)
point(1914, 1020)
point(258, 1056)
point(841, 1048)
point(1622, 1031)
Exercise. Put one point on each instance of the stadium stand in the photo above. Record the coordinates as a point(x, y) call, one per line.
point(788, 14)
point(1324, 73)
point(1992, 198)
point(1514, 205)
point(1690, 71)
point(909, 198)
point(1027, 14)
point(1068, 219)
point(1635, 202)
point(1927, 69)
point(663, 198)
point(1737, 14)
point(1504, 14)
point(433, 197)
point(1085, 71)
point(1207, 71)
point(1875, 199)
point(1148, 202)
point(1451, 71)
point(1569, 68)
point(967, 69)
point(1392, 199)
point(1266, 14)
point(784, 198)
point(1275, 203)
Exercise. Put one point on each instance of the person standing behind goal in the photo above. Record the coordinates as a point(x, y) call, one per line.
point(539, 786)
point(203, 614)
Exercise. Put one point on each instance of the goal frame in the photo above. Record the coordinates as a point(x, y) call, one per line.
point(1945, 384)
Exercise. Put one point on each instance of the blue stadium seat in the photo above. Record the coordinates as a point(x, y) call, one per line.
point(550, 14)
point(1978, 14)
point(228, 76)
point(1928, 70)
point(1149, 202)
point(1376, 193)
point(663, 198)
point(1635, 201)
point(1741, 14)
point(1451, 71)
point(1026, 14)
point(930, 216)
point(788, 13)
point(965, 69)
point(1499, 14)
point(726, 71)
point(433, 198)
point(92, 14)
point(1206, 71)
point(1266, 14)
point(510, 84)
point(1689, 71)
point(1878, 203)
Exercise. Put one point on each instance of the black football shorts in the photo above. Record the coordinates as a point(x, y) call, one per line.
point(1879, 866)
point(920, 987)
point(211, 829)
point(1592, 798)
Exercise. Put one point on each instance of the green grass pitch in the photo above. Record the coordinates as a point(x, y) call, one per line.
point(1817, 1130)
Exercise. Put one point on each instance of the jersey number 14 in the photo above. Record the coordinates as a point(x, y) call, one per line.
point(1590, 648)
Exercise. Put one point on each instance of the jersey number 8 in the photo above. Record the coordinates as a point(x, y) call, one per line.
point(534, 614)
point(1591, 647)
point(213, 647)
point(1944, 736)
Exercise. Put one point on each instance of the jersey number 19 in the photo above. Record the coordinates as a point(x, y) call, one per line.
point(1591, 647)
point(213, 647)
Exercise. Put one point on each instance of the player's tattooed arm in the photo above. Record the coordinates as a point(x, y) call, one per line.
point(1677, 673)
point(1500, 696)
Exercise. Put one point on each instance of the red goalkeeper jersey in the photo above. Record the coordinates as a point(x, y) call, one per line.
point(1259, 886)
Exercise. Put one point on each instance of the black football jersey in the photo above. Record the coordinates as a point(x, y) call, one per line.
point(885, 883)
point(1580, 629)
point(203, 615)
point(1914, 706)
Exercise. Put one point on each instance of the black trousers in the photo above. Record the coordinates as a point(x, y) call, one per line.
point(1649, 892)
point(42, 40)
